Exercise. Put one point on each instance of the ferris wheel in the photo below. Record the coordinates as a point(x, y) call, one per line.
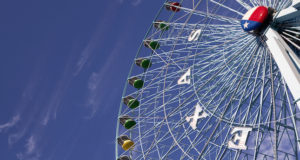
point(215, 79)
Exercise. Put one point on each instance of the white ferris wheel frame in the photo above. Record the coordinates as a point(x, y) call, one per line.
point(285, 58)
point(288, 64)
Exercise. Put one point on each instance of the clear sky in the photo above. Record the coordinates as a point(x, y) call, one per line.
point(64, 64)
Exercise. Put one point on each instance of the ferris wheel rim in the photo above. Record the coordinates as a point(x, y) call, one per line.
point(144, 155)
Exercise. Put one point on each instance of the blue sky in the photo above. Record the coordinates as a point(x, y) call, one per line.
point(63, 68)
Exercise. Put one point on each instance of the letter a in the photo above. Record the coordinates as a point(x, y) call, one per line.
point(199, 113)
point(240, 137)
point(185, 78)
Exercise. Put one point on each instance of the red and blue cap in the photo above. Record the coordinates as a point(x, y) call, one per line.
point(254, 18)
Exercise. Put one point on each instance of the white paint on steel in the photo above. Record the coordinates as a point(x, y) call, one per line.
point(240, 135)
point(290, 12)
point(199, 113)
point(194, 36)
point(185, 78)
point(286, 61)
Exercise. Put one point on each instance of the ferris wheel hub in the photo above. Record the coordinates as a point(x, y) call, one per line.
point(254, 18)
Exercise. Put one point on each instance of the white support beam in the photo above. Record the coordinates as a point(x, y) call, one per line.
point(287, 62)
point(296, 4)
point(291, 12)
